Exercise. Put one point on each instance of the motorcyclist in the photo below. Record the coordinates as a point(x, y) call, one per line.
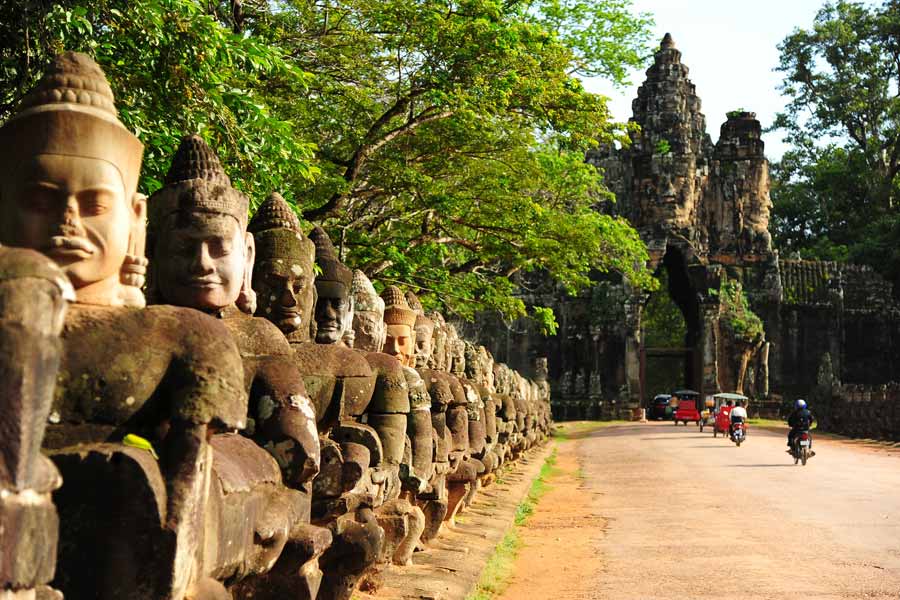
point(738, 415)
point(800, 419)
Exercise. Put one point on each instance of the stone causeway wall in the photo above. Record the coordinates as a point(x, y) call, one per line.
point(197, 404)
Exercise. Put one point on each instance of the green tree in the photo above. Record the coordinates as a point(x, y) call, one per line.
point(835, 193)
point(175, 69)
point(452, 134)
point(441, 142)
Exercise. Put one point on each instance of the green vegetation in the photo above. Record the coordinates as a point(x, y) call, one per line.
point(499, 568)
point(440, 142)
point(662, 147)
point(731, 114)
point(663, 324)
point(836, 192)
point(735, 311)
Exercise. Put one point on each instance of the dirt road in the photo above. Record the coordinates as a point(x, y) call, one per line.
point(656, 511)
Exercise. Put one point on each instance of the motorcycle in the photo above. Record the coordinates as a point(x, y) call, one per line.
point(801, 449)
point(738, 433)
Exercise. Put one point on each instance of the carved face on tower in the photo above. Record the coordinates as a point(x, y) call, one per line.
point(400, 320)
point(334, 307)
point(369, 328)
point(283, 277)
point(68, 182)
point(202, 254)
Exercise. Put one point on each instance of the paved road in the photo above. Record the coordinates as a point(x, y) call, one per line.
point(689, 516)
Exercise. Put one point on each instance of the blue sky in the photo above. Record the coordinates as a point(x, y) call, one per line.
point(731, 50)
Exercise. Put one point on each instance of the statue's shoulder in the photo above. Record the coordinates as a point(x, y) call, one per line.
point(257, 336)
point(331, 359)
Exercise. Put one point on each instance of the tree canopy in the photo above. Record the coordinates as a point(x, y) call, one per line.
point(836, 191)
point(440, 142)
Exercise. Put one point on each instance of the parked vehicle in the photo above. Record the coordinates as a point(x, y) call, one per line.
point(686, 410)
point(801, 449)
point(659, 408)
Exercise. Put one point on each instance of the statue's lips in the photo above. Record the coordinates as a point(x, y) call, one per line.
point(69, 246)
point(202, 284)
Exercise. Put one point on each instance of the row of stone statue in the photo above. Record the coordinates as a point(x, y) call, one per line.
point(265, 425)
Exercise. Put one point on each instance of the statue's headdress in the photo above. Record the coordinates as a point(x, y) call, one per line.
point(396, 308)
point(278, 234)
point(196, 182)
point(365, 298)
point(326, 257)
point(71, 112)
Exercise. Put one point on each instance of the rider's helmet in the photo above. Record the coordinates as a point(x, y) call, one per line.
point(800, 403)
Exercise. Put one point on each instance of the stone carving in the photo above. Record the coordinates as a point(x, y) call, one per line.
point(340, 382)
point(203, 447)
point(202, 258)
point(77, 166)
point(33, 295)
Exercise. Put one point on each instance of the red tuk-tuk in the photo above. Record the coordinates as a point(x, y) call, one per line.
point(723, 412)
point(685, 402)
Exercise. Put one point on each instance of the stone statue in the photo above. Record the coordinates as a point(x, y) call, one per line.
point(395, 412)
point(167, 374)
point(340, 382)
point(202, 258)
point(33, 295)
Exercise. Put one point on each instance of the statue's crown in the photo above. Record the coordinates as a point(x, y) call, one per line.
point(196, 182)
point(71, 112)
point(275, 213)
point(396, 308)
point(326, 257)
point(365, 298)
point(279, 235)
point(194, 159)
point(72, 78)
point(414, 302)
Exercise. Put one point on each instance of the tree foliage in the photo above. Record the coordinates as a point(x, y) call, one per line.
point(440, 142)
point(836, 191)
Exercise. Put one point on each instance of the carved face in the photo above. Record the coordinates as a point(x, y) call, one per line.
point(74, 210)
point(201, 260)
point(424, 344)
point(400, 344)
point(370, 330)
point(285, 293)
point(332, 309)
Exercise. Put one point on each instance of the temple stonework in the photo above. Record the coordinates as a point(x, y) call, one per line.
point(703, 210)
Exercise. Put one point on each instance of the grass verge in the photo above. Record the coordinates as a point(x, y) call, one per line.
point(499, 568)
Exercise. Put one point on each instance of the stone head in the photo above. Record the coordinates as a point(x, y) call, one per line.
point(487, 368)
point(438, 360)
point(424, 331)
point(400, 321)
point(68, 183)
point(202, 255)
point(456, 352)
point(368, 315)
point(284, 276)
point(334, 306)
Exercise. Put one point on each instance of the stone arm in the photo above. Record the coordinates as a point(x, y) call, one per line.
point(285, 420)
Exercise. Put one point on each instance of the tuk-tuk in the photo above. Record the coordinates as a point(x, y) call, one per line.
point(685, 402)
point(722, 412)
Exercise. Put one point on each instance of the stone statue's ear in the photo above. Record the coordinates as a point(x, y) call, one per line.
point(134, 268)
point(246, 300)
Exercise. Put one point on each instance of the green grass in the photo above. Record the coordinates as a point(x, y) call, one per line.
point(499, 568)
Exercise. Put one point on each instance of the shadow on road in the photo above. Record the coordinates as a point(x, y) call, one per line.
point(761, 466)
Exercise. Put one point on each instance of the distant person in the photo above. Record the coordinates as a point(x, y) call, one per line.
point(801, 419)
point(738, 414)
